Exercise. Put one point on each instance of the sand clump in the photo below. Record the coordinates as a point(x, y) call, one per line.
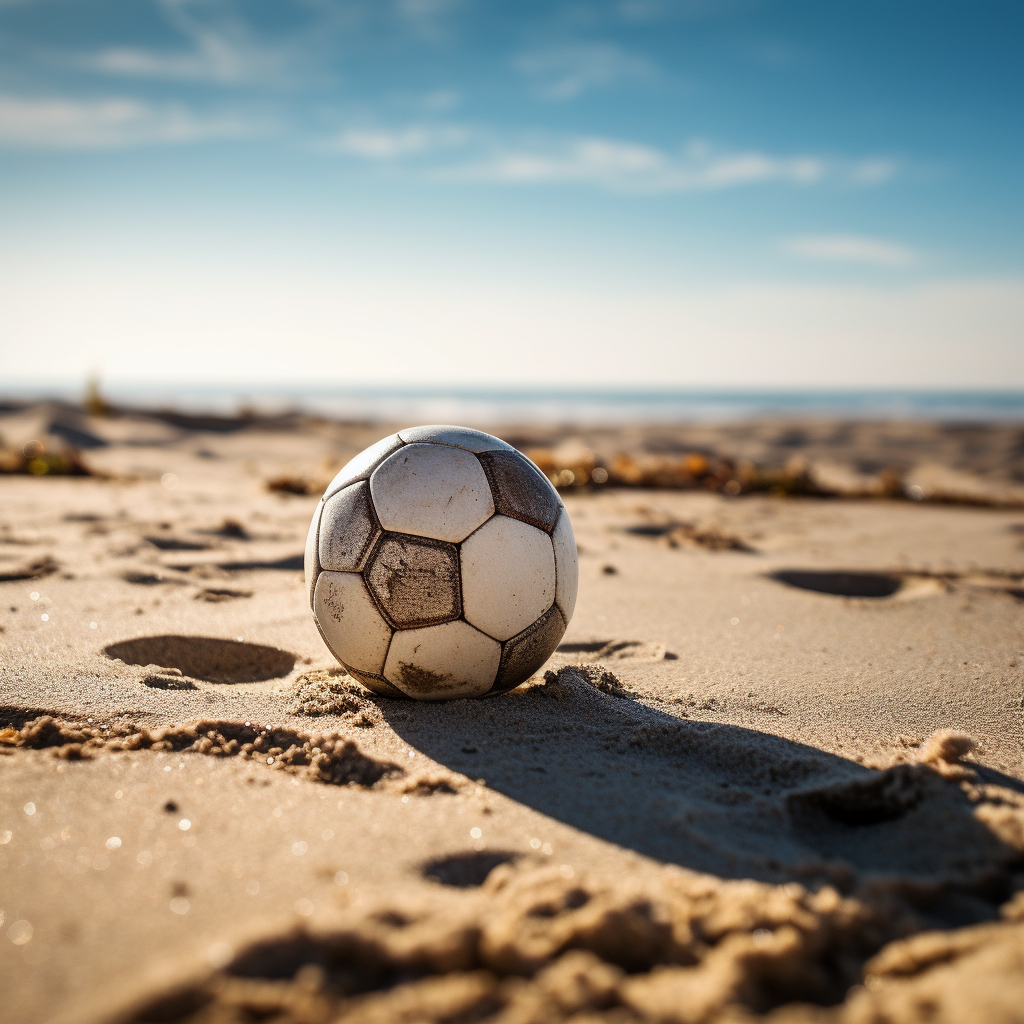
point(533, 946)
point(596, 676)
point(33, 570)
point(430, 781)
point(330, 758)
point(974, 974)
point(944, 751)
point(674, 534)
point(167, 679)
point(335, 693)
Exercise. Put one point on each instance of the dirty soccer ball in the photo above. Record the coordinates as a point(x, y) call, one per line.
point(440, 563)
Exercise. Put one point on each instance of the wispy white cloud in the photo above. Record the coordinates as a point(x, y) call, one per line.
point(213, 60)
point(455, 152)
point(390, 144)
point(223, 52)
point(634, 167)
point(565, 72)
point(873, 172)
point(61, 123)
point(851, 249)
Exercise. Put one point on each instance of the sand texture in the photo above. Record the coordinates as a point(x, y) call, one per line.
point(773, 772)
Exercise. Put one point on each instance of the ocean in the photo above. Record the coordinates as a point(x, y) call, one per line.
point(562, 405)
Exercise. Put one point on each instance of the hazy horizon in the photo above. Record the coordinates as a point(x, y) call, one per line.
point(538, 405)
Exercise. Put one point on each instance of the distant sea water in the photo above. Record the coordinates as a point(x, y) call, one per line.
point(563, 406)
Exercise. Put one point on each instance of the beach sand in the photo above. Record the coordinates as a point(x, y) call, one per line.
point(781, 776)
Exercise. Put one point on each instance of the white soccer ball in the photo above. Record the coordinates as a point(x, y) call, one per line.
point(440, 563)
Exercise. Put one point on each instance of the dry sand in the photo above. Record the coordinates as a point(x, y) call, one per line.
point(721, 802)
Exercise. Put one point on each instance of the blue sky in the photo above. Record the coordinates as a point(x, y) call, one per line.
point(639, 192)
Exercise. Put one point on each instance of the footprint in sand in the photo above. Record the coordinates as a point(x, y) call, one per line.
point(467, 870)
point(217, 595)
point(898, 584)
point(617, 650)
point(206, 658)
point(175, 543)
point(841, 584)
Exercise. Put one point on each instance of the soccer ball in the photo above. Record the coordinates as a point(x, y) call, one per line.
point(440, 563)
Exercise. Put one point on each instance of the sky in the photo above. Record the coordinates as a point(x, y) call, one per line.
point(632, 193)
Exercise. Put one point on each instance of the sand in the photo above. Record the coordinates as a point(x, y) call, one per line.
point(777, 775)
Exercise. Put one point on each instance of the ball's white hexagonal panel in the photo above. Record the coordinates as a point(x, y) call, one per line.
point(310, 562)
point(508, 576)
point(567, 566)
point(360, 467)
point(442, 662)
point(460, 437)
point(431, 490)
point(348, 528)
point(349, 620)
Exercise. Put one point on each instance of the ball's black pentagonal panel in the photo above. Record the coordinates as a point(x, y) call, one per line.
point(415, 580)
point(348, 528)
point(311, 560)
point(378, 684)
point(520, 489)
point(524, 654)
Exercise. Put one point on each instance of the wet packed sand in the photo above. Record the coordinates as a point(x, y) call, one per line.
point(779, 777)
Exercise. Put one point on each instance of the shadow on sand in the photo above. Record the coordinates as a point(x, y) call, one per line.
point(718, 798)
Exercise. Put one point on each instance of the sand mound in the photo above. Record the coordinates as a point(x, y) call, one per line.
point(333, 692)
point(532, 946)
